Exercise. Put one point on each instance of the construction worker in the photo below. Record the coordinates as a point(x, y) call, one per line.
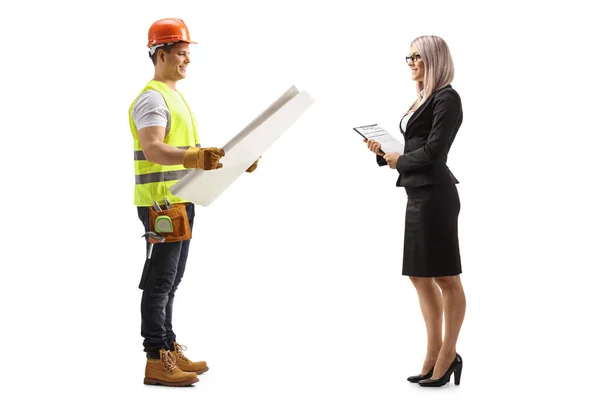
point(166, 147)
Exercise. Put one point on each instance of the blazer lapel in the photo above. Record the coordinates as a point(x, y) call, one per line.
point(422, 107)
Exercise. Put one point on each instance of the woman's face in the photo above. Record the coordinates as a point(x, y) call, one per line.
point(415, 63)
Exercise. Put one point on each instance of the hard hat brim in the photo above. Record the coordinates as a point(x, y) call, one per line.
point(155, 42)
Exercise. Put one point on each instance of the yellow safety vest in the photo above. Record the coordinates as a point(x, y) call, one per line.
point(152, 181)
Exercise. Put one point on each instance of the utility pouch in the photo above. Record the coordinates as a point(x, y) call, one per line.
point(173, 224)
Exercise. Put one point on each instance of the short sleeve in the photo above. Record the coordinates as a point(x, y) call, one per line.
point(150, 109)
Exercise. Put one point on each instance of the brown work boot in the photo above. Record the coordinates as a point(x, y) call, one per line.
point(185, 364)
point(164, 371)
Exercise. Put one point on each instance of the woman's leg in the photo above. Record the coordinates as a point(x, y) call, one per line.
point(430, 300)
point(454, 313)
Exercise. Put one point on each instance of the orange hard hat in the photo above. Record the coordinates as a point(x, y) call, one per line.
point(168, 30)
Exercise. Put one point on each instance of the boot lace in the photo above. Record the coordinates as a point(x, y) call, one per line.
point(179, 349)
point(169, 361)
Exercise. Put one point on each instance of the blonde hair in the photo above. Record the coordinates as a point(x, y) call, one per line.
point(438, 63)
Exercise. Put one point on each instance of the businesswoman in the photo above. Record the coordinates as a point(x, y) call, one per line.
point(431, 252)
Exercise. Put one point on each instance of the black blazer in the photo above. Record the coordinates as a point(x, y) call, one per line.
point(429, 134)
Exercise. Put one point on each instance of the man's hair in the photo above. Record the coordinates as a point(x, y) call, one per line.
point(167, 48)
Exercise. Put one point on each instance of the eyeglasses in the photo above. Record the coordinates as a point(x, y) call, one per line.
point(414, 57)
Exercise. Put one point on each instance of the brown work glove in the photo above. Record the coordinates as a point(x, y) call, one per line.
point(203, 158)
point(254, 165)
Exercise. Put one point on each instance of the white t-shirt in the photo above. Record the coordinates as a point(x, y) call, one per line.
point(150, 109)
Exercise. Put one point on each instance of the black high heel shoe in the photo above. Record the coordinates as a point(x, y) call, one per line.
point(417, 378)
point(455, 368)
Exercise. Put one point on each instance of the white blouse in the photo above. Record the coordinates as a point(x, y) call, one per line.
point(405, 119)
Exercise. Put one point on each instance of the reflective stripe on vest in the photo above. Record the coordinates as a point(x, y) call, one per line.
point(154, 177)
point(138, 155)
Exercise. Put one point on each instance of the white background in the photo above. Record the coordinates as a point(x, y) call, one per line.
point(293, 288)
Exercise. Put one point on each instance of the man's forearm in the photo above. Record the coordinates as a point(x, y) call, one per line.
point(164, 154)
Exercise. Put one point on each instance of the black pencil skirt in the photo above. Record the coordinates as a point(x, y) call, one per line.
point(431, 231)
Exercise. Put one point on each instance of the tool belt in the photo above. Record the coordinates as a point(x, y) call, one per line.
point(172, 224)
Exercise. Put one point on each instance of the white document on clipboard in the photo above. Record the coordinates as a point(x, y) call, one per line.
point(389, 144)
point(202, 187)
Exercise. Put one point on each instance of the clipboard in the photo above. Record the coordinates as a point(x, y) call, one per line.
point(380, 135)
point(357, 129)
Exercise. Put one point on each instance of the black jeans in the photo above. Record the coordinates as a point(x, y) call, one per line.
point(159, 282)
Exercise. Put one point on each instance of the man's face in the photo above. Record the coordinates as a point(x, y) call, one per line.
point(177, 60)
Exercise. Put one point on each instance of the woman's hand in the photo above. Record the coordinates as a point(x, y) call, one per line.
point(373, 146)
point(392, 159)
